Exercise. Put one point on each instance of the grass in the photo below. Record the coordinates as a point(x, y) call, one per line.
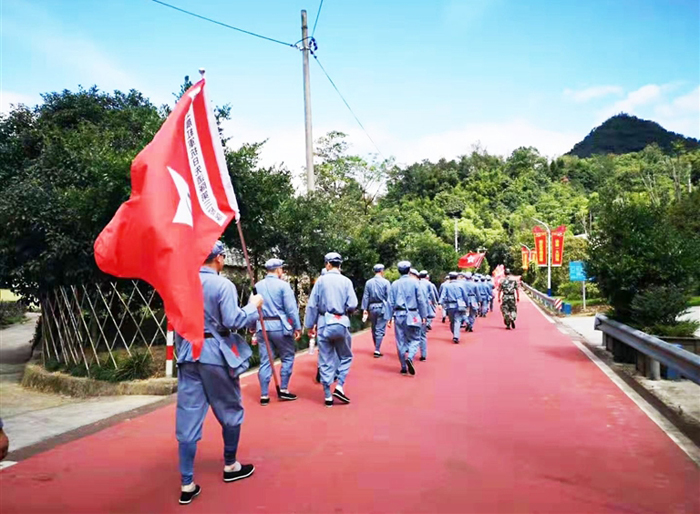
point(694, 301)
point(11, 313)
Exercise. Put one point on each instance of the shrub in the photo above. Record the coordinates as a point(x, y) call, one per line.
point(573, 291)
point(681, 329)
point(137, 366)
point(10, 313)
point(658, 305)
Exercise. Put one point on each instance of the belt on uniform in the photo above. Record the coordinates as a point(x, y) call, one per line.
point(404, 309)
point(222, 333)
point(271, 318)
point(376, 303)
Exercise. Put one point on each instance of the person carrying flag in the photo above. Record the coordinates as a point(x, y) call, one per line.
point(212, 379)
point(331, 300)
point(281, 317)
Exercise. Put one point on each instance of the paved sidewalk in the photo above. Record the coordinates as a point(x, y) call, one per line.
point(16, 348)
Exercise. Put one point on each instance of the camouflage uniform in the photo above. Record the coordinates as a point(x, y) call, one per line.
point(509, 308)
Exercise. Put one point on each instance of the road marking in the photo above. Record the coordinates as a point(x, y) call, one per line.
point(6, 464)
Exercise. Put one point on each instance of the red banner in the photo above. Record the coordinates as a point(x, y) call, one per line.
point(471, 260)
point(526, 257)
point(540, 246)
point(558, 245)
point(533, 256)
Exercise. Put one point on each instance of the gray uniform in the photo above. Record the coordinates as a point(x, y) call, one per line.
point(375, 300)
point(409, 307)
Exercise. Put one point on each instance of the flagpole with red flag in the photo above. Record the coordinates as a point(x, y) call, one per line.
point(181, 202)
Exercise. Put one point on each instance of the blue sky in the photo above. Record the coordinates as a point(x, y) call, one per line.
point(428, 79)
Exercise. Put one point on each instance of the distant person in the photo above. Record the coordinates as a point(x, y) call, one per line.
point(447, 279)
point(433, 297)
point(454, 303)
point(509, 295)
point(410, 311)
point(213, 378)
point(283, 328)
point(429, 292)
point(375, 304)
point(331, 301)
point(491, 287)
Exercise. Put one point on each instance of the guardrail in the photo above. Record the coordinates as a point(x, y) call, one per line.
point(548, 301)
point(653, 350)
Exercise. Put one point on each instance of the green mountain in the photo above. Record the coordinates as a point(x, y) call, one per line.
point(624, 134)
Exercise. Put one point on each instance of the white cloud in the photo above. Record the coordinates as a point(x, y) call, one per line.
point(10, 98)
point(591, 93)
point(681, 105)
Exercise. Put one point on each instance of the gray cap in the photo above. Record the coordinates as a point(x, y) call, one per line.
point(423, 273)
point(217, 250)
point(378, 267)
point(461, 274)
point(273, 264)
point(413, 271)
point(468, 274)
point(452, 275)
point(404, 266)
point(333, 258)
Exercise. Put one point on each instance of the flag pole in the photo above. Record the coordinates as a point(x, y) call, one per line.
point(260, 312)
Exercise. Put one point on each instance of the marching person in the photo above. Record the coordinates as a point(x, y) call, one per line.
point(474, 298)
point(509, 295)
point(331, 300)
point(484, 292)
point(433, 297)
point(454, 303)
point(410, 312)
point(213, 378)
point(491, 287)
point(375, 304)
point(447, 279)
point(427, 288)
point(283, 328)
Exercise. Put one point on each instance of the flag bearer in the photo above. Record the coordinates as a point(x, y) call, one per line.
point(213, 378)
point(454, 302)
point(283, 327)
point(375, 304)
point(410, 312)
point(331, 300)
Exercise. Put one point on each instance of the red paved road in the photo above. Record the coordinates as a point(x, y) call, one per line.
point(505, 422)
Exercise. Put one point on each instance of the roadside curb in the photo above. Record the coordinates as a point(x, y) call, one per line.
point(36, 377)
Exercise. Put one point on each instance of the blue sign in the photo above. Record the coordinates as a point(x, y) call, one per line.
point(577, 271)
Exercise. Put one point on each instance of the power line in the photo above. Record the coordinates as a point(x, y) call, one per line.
point(347, 104)
point(225, 24)
point(317, 16)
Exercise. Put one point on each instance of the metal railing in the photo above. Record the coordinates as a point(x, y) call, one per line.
point(548, 301)
point(653, 348)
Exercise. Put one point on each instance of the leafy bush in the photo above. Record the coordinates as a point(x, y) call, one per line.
point(11, 312)
point(138, 366)
point(680, 329)
point(572, 291)
point(658, 305)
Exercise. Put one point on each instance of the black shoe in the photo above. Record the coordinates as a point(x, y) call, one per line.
point(378, 354)
point(329, 403)
point(264, 401)
point(317, 378)
point(341, 396)
point(428, 328)
point(411, 369)
point(422, 359)
point(455, 340)
point(245, 471)
point(186, 498)
point(288, 397)
point(404, 372)
point(512, 325)
point(507, 327)
point(470, 329)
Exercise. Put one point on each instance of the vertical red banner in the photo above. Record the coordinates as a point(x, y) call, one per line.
point(540, 246)
point(533, 256)
point(526, 257)
point(558, 245)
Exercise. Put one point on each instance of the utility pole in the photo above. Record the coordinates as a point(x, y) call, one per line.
point(549, 255)
point(310, 182)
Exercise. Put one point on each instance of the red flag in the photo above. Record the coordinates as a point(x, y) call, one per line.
point(558, 245)
point(540, 245)
point(471, 260)
point(181, 202)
